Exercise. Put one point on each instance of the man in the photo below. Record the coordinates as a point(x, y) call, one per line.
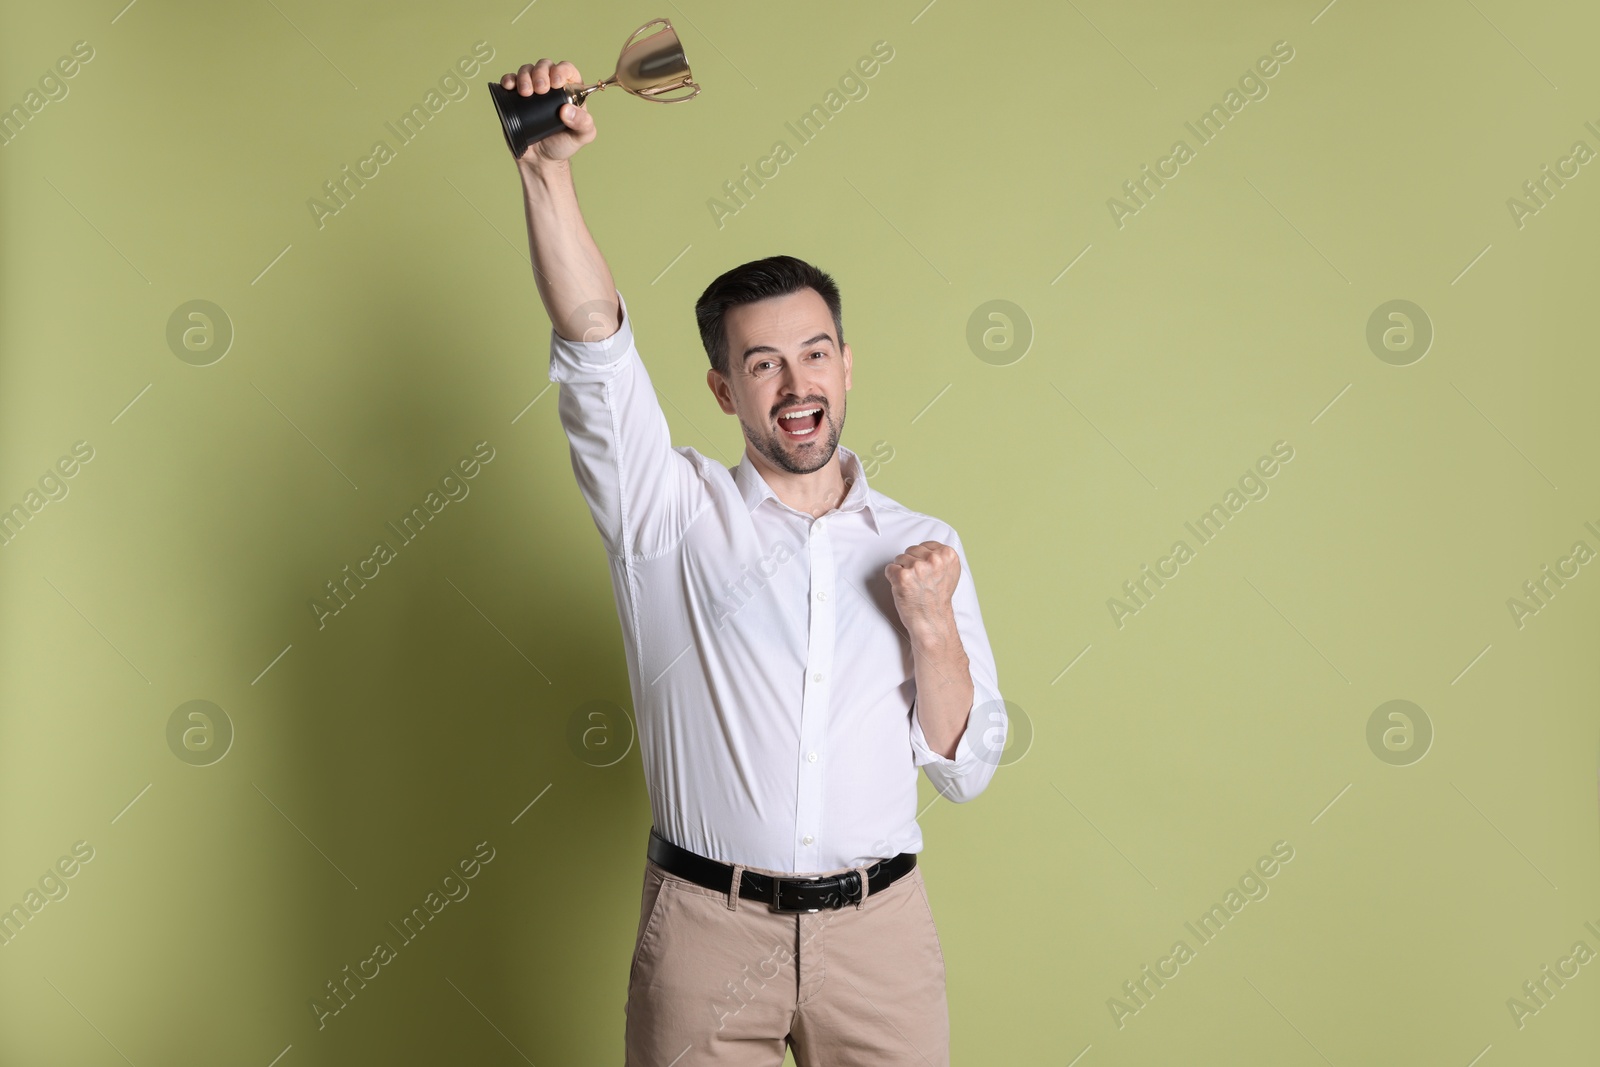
point(798, 645)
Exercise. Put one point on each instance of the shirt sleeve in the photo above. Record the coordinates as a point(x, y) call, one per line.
point(979, 748)
point(642, 492)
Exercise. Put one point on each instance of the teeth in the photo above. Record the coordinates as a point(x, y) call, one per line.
point(797, 414)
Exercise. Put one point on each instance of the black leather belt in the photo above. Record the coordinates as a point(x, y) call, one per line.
point(789, 894)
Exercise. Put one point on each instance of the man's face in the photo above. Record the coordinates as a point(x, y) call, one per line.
point(783, 357)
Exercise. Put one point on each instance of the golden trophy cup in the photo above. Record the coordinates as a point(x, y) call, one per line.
point(651, 67)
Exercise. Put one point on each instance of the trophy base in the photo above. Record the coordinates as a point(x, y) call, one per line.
point(527, 120)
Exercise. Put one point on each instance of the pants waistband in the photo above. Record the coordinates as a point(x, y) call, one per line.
point(795, 893)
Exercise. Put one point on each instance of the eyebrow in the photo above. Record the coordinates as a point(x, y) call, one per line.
point(808, 342)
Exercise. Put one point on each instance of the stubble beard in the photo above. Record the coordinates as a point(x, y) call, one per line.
point(819, 454)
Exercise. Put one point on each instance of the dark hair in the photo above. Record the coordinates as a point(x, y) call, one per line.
point(758, 280)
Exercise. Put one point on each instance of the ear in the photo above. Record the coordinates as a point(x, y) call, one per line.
point(848, 358)
point(721, 390)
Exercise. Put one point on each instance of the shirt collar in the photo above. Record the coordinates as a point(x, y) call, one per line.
point(754, 488)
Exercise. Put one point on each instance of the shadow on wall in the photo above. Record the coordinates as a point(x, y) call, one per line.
point(433, 710)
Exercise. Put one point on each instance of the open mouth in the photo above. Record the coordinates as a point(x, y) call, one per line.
point(801, 424)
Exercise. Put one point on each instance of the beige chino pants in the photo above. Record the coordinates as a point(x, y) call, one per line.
point(720, 980)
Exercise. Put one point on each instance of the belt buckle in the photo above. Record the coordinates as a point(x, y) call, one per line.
point(777, 894)
point(851, 889)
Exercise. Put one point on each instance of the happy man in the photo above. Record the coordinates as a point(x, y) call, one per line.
point(798, 645)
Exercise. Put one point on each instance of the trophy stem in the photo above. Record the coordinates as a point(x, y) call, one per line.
point(578, 96)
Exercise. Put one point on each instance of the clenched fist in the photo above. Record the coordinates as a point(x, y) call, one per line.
point(923, 581)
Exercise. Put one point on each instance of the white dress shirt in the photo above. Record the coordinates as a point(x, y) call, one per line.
point(772, 680)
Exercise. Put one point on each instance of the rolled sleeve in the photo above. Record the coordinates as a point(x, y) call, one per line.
point(593, 360)
point(924, 755)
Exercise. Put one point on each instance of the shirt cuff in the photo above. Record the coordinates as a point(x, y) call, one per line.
point(592, 361)
point(923, 754)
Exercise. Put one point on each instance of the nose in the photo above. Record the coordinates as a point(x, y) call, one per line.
point(789, 382)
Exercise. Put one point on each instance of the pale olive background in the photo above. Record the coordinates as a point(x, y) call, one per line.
point(371, 354)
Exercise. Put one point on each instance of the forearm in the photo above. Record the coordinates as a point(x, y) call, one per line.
point(574, 281)
point(944, 683)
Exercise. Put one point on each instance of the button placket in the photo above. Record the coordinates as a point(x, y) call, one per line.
point(815, 706)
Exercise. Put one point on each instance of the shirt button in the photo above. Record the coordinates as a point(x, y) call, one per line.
point(822, 594)
point(812, 756)
point(817, 677)
point(806, 840)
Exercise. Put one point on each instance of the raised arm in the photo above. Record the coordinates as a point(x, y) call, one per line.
point(641, 491)
point(573, 278)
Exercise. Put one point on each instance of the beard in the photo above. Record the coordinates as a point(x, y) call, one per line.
point(803, 458)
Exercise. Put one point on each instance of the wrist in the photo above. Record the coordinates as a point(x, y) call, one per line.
point(933, 634)
point(542, 173)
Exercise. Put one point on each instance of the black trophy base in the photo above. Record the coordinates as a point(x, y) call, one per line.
point(527, 120)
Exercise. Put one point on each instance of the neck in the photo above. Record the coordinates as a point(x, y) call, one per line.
point(815, 494)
